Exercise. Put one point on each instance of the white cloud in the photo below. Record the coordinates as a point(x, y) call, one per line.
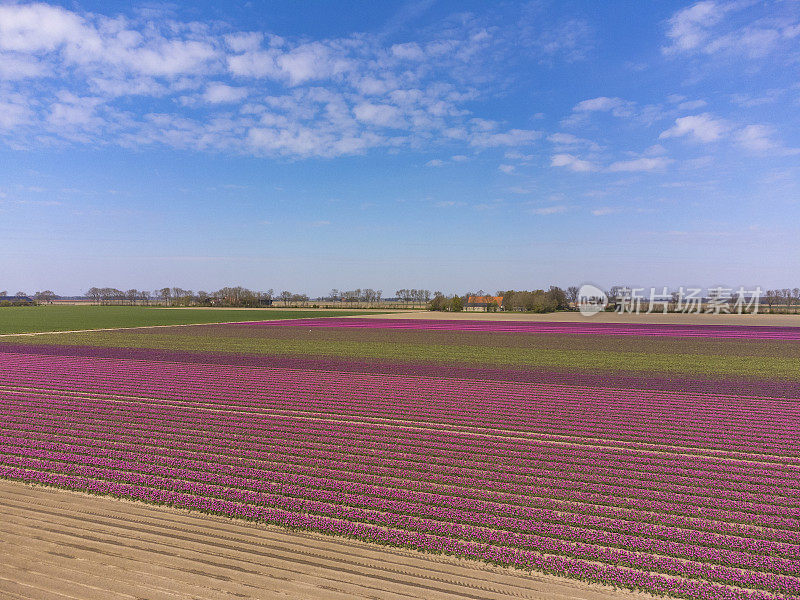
point(604, 210)
point(755, 138)
point(434, 163)
point(39, 28)
point(573, 163)
point(410, 51)
point(549, 210)
point(702, 128)
point(655, 150)
point(14, 112)
point(705, 28)
point(688, 28)
point(513, 137)
point(616, 106)
point(15, 66)
point(568, 140)
point(639, 164)
point(382, 115)
point(519, 190)
point(312, 61)
point(219, 93)
point(459, 158)
point(759, 138)
point(692, 105)
point(507, 169)
point(246, 41)
point(751, 42)
point(749, 100)
point(255, 63)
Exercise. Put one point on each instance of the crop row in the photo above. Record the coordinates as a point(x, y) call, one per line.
point(411, 398)
point(542, 327)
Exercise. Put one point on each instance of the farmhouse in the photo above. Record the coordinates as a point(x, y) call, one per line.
point(484, 303)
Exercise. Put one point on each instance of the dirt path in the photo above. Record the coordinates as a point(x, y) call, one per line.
point(57, 545)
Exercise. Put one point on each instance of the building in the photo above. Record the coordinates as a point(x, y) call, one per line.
point(476, 303)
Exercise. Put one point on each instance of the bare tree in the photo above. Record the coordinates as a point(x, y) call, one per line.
point(44, 296)
point(572, 294)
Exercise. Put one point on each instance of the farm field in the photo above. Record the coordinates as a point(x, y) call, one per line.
point(655, 318)
point(69, 318)
point(71, 544)
point(662, 459)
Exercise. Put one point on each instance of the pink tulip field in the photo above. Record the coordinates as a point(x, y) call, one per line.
point(675, 492)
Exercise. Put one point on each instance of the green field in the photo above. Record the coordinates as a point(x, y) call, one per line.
point(694, 356)
point(32, 319)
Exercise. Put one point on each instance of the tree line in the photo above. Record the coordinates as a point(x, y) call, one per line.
point(539, 301)
point(175, 296)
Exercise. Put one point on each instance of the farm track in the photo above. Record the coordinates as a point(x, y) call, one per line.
point(59, 544)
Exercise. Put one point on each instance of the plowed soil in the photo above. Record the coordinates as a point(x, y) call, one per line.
point(57, 545)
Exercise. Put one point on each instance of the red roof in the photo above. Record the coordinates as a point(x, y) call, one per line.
point(485, 300)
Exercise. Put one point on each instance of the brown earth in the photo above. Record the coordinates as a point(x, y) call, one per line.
point(57, 545)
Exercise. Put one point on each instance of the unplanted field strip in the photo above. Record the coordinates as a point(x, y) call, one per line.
point(303, 565)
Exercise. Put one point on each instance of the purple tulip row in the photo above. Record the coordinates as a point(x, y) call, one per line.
point(539, 327)
point(616, 575)
point(407, 503)
point(763, 576)
point(628, 542)
point(757, 506)
point(328, 477)
point(408, 396)
point(560, 478)
point(385, 473)
point(516, 467)
point(661, 491)
point(512, 445)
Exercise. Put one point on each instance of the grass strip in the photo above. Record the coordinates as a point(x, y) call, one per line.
point(33, 319)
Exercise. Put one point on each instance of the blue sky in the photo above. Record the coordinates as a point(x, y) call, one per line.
point(443, 145)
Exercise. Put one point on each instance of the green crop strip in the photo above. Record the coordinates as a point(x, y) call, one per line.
point(699, 364)
point(32, 319)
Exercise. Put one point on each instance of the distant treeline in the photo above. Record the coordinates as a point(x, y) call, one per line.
point(539, 301)
point(175, 296)
point(784, 300)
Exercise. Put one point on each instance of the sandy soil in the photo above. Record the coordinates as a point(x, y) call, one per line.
point(56, 544)
point(604, 317)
